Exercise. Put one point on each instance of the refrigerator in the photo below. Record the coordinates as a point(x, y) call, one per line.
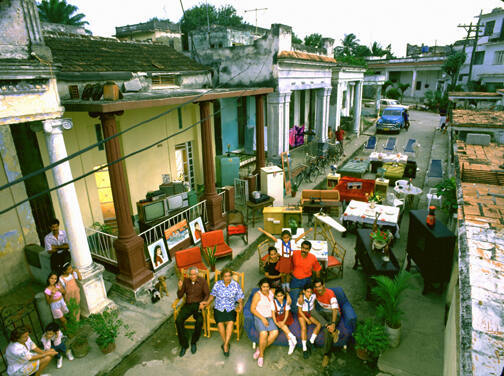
point(272, 183)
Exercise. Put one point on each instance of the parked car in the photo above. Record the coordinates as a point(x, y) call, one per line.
point(391, 102)
point(391, 120)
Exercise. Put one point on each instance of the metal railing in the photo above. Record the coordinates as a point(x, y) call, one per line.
point(224, 203)
point(101, 245)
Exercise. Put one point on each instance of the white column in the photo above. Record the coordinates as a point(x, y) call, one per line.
point(378, 99)
point(286, 114)
point(307, 109)
point(339, 104)
point(93, 294)
point(413, 83)
point(357, 106)
point(278, 127)
point(348, 106)
point(296, 94)
point(322, 113)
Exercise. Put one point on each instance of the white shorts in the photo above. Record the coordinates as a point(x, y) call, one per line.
point(59, 308)
point(26, 369)
point(442, 120)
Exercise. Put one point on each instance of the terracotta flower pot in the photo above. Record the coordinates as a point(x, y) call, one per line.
point(80, 348)
point(363, 354)
point(109, 348)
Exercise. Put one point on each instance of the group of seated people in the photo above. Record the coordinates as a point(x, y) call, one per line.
point(271, 304)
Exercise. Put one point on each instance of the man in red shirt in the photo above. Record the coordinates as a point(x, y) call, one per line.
point(303, 265)
point(329, 316)
point(340, 136)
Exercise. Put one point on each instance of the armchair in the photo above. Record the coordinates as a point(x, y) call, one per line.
point(236, 225)
point(189, 257)
point(215, 238)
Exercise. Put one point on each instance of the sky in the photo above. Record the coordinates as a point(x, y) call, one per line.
point(398, 22)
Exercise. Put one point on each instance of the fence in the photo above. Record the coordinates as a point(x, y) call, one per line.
point(101, 245)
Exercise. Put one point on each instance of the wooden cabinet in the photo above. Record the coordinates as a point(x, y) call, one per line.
point(277, 217)
point(430, 248)
point(381, 186)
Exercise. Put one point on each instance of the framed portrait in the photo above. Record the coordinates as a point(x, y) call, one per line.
point(197, 228)
point(158, 254)
point(177, 234)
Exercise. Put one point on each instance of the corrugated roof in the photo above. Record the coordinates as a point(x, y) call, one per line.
point(305, 56)
point(478, 118)
point(94, 54)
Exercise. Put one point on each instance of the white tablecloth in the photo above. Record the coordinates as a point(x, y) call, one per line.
point(403, 187)
point(358, 211)
point(319, 248)
point(388, 157)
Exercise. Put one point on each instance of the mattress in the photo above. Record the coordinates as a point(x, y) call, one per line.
point(394, 170)
point(355, 168)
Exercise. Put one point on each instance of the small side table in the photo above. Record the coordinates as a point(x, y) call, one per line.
point(254, 207)
point(381, 186)
point(333, 180)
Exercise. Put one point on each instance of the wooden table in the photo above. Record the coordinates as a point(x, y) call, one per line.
point(254, 207)
point(372, 261)
point(358, 212)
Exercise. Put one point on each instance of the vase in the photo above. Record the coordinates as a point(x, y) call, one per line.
point(109, 348)
point(363, 354)
point(394, 335)
point(379, 245)
point(80, 347)
point(372, 205)
point(431, 217)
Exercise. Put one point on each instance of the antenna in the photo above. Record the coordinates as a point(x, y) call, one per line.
point(255, 10)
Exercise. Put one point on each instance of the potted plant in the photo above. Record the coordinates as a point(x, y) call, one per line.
point(77, 331)
point(294, 189)
point(447, 189)
point(389, 293)
point(107, 325)
point(380, 239)
point(210, 257)
point(374, 198)
point(293, 226)
point(370, 339)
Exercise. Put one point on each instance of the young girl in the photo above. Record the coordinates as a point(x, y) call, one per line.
point(54, 296)
point(69, 282)
point(53, 339)
point(306, 303)
point(283, 317)
point(284, 265)
point(270, 270)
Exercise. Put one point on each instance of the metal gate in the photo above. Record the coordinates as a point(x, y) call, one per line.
point(241, 192)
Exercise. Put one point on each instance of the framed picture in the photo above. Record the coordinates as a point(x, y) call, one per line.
point(177, 234)
point(158, 254)
point(197, 228)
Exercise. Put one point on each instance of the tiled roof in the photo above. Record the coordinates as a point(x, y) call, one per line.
point(305, 56)
point(472, 94)
point(478, 118)
point(480, 164)
point(94, 54)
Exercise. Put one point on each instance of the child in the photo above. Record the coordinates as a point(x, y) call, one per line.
point(270, 270)
point(53, 339)
point(54, 296)
point(284, 265)
point(283, 317)
point(69, 282)
point(306, 303)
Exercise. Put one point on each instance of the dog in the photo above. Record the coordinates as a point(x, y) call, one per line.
point(155, 296)
point(160, 286)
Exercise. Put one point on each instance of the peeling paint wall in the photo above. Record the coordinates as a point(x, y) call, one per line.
point(14, 38)
point(17, 227)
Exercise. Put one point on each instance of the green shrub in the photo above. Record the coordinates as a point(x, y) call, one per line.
point(370, 335)
point(393, 93)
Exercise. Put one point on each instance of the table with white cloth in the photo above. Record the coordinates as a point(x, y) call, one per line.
point(319, 249)
point(408, 190)
point(361, 213)
point(378, 159)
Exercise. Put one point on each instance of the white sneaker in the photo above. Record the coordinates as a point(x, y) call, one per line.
point(60, 362)
point(292, 347)
point(70, 355)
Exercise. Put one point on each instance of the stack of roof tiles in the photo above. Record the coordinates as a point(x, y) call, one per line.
point(478, 118)
point(480, 164)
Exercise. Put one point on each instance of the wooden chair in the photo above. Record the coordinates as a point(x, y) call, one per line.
point(178, 303)
point(236, 225)
point(211, 324)
point(211, 239)
point(262, 252)
point(186, 258)
point(336, 260)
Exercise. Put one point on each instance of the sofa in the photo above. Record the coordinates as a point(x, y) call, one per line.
point(351, 188)
point(312, 200)
point(346, 325)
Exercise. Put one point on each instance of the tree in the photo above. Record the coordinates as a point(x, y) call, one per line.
point(386, 85)
point(402, 88)
point(349, 44)
point(60, 12)
point(313, 40)
point(296, 39)
point(377, 50)
point(393, 93)
point(362, 51)
point(388, 52)
point(452, 65)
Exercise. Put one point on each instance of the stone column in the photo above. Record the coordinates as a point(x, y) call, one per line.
point(339, 104)
point(93, 294)
point(296, 94)
point(276, 124)
point(260, 154)
point(378, 99)
point(348, 107)
point(322, 113)
point(286, 126)
point(133, 273)
point(213, 200)
point(357, 106)
point(413, 83)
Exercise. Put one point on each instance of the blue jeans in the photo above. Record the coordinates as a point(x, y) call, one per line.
point(61, 349)
point(299, 283)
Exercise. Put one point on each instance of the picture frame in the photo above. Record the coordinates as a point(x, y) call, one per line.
point(197, 228)
point(177, 234)
point(158, 254)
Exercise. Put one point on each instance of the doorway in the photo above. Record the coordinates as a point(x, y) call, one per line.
point(102, 179)
point(185, 163)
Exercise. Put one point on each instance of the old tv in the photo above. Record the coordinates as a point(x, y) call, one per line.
point(177, 201)
point(150, 211)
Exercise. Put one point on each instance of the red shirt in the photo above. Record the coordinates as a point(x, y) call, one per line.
point(303, 266)
point(340, 134)
point(327, 300)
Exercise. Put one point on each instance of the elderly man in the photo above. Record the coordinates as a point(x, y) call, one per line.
point(196, 291)
point(304, 264)
point(56, 244)
point(329, 316)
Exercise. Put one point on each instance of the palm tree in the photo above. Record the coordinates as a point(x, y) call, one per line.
point(377, 50)
point(402, 88)
point(60, 12)
point(350, 43)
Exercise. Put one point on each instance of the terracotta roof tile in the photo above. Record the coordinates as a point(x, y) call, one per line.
point(478, 118)
point(94, 54)
point(305, 56)
point(481, 164)
point(471, 94)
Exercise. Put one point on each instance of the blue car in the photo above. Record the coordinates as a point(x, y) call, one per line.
point(391, 120)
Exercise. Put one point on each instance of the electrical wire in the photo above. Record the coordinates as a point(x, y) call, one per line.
point(3, 211)
point(90, 147)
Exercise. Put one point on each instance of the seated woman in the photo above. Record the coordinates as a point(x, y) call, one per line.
point(263, 320)
point(282, 316)
point(228, 297)
point(20, 356)
point(306, 303)
point(270, 271)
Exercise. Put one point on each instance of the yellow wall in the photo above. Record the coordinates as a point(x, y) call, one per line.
point(143, 170)
point(17, 227)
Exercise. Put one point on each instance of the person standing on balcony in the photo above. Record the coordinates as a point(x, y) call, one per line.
point(56, 244)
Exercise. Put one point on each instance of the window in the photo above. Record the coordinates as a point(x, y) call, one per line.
point(165, 80)
point(489, 28)
point(479, 57)
point(499, 57)
point(418, 85)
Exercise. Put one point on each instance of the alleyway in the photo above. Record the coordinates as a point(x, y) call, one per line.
point(159, 354)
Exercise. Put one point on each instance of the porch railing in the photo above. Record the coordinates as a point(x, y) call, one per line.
point(101, 245)
point(224, 203)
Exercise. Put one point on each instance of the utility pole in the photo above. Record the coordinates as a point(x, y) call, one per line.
point(255, 10)
point(475, 44)
point(471, 30)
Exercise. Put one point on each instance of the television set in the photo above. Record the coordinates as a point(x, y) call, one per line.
point(177, 201)
point(151, 211)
